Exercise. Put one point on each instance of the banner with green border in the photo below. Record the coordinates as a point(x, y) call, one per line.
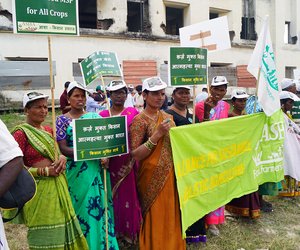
point(46, 17)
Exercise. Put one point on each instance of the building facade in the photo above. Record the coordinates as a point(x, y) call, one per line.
point(140, 32)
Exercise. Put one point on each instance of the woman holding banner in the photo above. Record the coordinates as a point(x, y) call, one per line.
point(49, 216)
point(85, 178)
point(150, 145)
point(123, 174)
point(247, 205)
point(289, 186)
point(213, 108)
point(181, 115)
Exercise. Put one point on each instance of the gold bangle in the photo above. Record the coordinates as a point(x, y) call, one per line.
point(152, 142)
point(46, 171)
point(149, 145)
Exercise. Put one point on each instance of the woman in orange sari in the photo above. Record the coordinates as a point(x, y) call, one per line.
point(156, 183)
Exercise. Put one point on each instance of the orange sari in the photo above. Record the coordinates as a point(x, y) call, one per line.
point(156, 183)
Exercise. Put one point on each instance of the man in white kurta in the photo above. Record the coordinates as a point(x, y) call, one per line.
point(9, 150)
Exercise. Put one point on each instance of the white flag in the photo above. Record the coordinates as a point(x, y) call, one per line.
point(263, 58)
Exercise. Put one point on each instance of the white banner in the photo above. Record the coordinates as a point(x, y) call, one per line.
point(292, 149)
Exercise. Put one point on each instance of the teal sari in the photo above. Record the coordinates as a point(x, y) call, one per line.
point(85, 179)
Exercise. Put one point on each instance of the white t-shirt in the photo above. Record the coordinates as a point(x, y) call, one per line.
point(129, 101)
point(9, 149)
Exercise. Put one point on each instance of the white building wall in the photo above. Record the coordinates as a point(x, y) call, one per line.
point(66, 50)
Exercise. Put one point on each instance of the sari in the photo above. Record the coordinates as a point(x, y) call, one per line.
point(122, 170)
point(156, 183)
point(196, 232)
point(220, 111)
point(85, 180)
point(49, 216)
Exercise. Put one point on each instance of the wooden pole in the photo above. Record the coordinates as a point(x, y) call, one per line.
point(194, 103)
point(52, 95)
point(105, 174)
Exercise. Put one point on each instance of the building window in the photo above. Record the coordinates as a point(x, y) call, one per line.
point(138, 16)
point(248, 20)
point(213, 15)
point(289, 72)
point(288, 39)
point(174, 20)
point(87, 14)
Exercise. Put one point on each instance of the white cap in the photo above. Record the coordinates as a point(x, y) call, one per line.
point(154, 84)
point(130, 86)
point(239, 94)
point(115, 85)
point(91, 91)
point(219, 80)
point(287, 82)
point(32, 96)
point(287, 95)
point(75, 84)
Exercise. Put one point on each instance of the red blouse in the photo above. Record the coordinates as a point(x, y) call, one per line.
point(31, 156)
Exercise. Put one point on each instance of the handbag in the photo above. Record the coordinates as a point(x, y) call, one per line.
point(19, 193)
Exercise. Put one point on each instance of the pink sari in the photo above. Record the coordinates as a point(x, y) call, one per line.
point(127, 209)
point(219, 112)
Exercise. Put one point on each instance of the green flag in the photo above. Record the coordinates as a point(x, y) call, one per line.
point(221, 160)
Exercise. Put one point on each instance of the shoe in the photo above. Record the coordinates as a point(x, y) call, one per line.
point(214, 230)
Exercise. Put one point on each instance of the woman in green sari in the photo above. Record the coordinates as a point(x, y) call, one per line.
point(49, 216)
point(85, 178)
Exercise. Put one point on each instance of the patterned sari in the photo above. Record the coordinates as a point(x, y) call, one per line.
point(220, 111)
point(156, 183)
point(49, 216)
point(85, 180)
point(125, 198)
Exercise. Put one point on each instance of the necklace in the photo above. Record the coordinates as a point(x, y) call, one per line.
point(116, 113)
point(179, 111)
point(153, 117)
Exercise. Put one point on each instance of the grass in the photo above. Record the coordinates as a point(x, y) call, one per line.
point(278, 230)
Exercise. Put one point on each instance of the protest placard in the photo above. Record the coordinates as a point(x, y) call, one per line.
point(100, 63)
point(46, 17)
point(100, 138)
point(188, 66)
point(212, 34)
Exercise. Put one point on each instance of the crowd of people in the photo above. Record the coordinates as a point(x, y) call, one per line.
point(124, 200)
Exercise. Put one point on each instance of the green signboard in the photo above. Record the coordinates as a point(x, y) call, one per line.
point(46, 16)
point(100, 63)
point(295, 112)
point(100, 138)
point(188, 66)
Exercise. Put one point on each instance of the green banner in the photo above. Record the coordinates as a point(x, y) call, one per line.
point(46, 16)
point(100, 63)
point(100, 138)
point(187, 66)
point(225, 159)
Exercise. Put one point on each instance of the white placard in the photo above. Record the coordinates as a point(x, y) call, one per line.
point(212, 34)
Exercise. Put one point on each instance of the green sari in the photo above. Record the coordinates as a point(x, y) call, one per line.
point(49, 216)
point(85, 180)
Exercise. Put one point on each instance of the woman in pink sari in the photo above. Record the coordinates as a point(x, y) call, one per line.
point(213, 108)
point(123, 174)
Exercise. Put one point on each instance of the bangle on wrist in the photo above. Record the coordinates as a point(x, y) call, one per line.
point(149, 145)
point(152, 142)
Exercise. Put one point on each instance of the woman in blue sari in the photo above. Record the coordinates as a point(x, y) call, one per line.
point(85, 178)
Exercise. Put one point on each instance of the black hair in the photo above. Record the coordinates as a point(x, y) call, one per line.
point(67, 84)
point(284, 101)
point(233, 99)
point(139, 88)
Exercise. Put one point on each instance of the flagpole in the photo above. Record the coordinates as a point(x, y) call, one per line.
point(256, 90)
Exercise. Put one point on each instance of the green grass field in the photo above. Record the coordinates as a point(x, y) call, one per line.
point(278, 230)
